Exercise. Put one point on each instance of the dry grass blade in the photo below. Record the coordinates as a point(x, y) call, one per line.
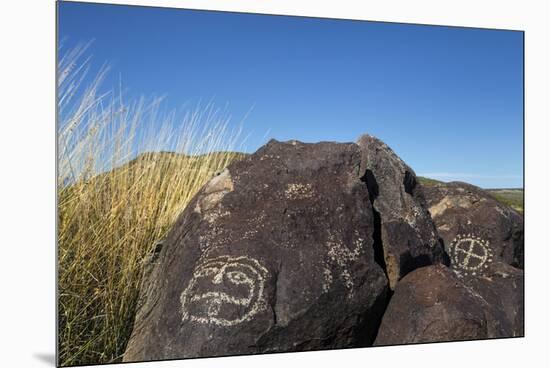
point(119, 193)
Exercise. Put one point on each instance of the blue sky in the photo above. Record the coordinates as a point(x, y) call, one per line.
point(448, 100)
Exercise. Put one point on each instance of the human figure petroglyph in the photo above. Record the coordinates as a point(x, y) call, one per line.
point(225, 291)
point(343, 257)
point(471, 254)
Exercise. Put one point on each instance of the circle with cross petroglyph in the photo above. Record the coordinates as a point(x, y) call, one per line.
point(470, 254)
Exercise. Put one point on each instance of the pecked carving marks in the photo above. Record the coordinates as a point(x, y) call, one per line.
point(460, 208)
point(273, 211)
point(225, 291)
point(341, 256)
point(299, 191)
point(470, 254)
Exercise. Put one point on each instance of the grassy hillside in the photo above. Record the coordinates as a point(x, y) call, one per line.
point(428, 181)
point(510, 197)
point(112, 209)
point(107, 226)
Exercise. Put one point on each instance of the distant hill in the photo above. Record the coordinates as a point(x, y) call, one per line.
point(165, 162)
point(163, 157)
point(428, 181)
point(512, 197)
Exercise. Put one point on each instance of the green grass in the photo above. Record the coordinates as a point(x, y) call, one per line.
point(428, 181)
point(509, 197)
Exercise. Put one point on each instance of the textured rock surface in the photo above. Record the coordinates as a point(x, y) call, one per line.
point(407, 233)
point(274, 254)
point(433, 304)
point(484, 240)
point(476, 229)
point(501, 289)
point(298, 246)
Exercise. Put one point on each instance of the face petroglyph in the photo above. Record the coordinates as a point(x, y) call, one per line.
point(470, 254)
point(225, 291)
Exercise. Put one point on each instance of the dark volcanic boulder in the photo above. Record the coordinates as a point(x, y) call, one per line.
point(481, 295)
point(433, 304)
point(476, 229)
point(274, 254)
point(501, 288)
point(406, 231)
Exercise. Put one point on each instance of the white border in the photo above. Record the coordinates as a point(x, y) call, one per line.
point(27, 181)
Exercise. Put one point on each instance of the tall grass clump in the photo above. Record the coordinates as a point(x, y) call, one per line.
point(125, 172)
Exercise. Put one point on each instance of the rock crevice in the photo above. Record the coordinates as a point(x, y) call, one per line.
point(328, 245)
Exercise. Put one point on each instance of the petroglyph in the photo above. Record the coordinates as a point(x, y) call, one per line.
point(298, 191)
point(327, 280)
point(470, 254)
point(502, 212)
point(268, 157)
point(213, 216)
point(342, 256)
point(225, 291)
point(411, 216)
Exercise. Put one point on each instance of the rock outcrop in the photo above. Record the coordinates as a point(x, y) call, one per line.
point(274, 254)
point(434, 304)
point(481, 294)
point(300, 247)
point(501, 287)
point(431, 304)
point(475, 227)
point(408, 236)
